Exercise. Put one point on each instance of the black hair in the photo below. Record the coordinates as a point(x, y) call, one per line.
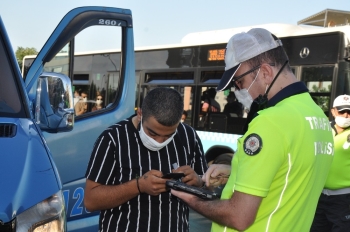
point(185, 113)
point(211, 92)
point(164, 104)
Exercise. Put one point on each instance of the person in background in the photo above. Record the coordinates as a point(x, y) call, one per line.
point(183, 116)
point(76, 97)
point(281, 163)
point(233, 107)
point(210, 104)
point(99, 103)
point(124, 176)
point(333, 209)
point(81, 106)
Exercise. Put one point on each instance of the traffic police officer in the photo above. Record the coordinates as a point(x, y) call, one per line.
point(333, 209)
point(282, 161)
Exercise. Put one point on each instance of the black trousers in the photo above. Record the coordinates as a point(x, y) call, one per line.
point(332, 214)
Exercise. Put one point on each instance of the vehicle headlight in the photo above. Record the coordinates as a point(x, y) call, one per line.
point(48, 215)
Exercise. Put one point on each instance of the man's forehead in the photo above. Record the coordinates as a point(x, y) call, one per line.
point(153, 125)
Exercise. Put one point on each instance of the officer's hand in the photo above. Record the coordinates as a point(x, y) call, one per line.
point(216, 175)
point(152, 183)
point(191, 177)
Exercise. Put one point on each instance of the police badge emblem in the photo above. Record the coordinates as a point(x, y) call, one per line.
point(252, 144)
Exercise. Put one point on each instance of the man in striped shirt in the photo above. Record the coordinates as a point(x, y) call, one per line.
point(128, 160)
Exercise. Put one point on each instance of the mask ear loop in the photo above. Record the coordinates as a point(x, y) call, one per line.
point(261, 100)
point(266, 88)
point(276, 77)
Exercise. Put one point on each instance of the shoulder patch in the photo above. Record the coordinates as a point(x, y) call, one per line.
point(252, 144)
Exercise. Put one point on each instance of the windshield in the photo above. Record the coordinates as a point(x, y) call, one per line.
point(10, 103)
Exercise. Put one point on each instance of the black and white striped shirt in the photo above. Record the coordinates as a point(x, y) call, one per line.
point(119, 156)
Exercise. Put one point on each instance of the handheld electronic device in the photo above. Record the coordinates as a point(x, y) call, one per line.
point(199, 192)
point(173, 175)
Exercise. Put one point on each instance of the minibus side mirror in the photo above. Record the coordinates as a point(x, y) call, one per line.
point(54, 111)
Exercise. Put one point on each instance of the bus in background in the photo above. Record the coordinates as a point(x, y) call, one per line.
point(195, 66)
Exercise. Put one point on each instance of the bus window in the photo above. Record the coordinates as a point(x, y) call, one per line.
point(169, 77)
point(211, 106)
point(293, 70)
point(220, 112)
point(319, 82)
point(181, 81)
point(137, 89)
point(347, 80)
point(185, 91)
point(211, 77)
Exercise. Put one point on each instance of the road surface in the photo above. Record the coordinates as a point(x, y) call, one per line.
point(198, 223)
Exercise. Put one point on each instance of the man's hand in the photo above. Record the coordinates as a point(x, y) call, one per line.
point(191, 177)
point(216, 175)
point(152, 183)
point(238, 212)
point(186, 197)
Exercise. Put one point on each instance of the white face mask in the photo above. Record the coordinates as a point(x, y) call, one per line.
point(243, 95)
point(84, 99)
point(98, 102)
point(182, 120)
point(342, 122)
point(150, 143)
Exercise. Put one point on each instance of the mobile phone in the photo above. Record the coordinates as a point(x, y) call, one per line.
point(173, 175)
point(199, 192)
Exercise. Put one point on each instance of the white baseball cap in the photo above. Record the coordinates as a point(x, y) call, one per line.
point(342, 102)
point(242, 47)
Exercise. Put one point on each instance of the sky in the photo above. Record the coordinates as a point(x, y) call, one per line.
point(158, 22)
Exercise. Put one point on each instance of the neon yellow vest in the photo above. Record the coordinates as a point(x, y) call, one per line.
point(339, 174)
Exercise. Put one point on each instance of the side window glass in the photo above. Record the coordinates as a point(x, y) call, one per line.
point(96, 79)
point(319, 82)
point(60, 63)
point(11, 105)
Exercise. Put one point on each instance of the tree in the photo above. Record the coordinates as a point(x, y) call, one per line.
point(22, 52)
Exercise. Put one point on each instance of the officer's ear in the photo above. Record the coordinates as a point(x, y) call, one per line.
point(267, 73)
